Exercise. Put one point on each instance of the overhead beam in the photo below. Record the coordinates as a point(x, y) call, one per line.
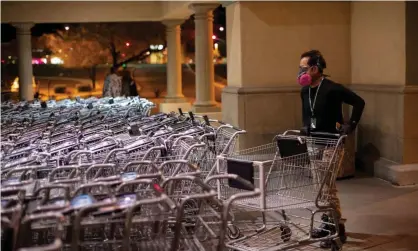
point(80, 12)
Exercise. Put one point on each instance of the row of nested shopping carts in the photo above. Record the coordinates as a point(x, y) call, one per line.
point(104, 174)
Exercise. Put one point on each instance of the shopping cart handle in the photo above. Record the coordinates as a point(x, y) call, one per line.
point(184, 162)
point(236, 128)
point(99, 168)
point(8, 191)
point(133, 182)
point(136, 163)
point(183, 177)
point(75, 154)
point(318, 134)
point(56, 170)
point(7, 144)
point(90, 185)
point(43, 216)
point(24, 170)
point(210, 136)
point(149, 176)
point(228, 125)
point(291, 131)
point(326, 134)
point(51, 208)
point(48, 188)
point(113, 153)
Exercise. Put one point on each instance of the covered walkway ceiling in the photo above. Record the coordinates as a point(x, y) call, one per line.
point(93, 11)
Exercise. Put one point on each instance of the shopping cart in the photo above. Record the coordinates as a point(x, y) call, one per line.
point(100, 186)
point(294, 175)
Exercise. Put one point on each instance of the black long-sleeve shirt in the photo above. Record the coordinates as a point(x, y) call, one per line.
point(328, 106)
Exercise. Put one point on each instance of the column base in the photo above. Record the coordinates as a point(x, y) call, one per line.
point(177, 99)
point(396, 174)
point(174, 107)
point(262, 112)
point(199, 108)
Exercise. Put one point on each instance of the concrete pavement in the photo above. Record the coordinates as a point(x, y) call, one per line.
point(380, 217)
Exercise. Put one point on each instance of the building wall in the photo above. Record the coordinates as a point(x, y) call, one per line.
point(265, 40)
point(382, 52)
point(370, 46)
point(378, 43)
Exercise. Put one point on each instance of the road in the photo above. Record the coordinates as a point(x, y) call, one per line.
point(149, 79)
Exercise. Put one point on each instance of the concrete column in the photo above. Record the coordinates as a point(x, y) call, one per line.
point(23, 35)
point(174, 98)
point(205, 75)
point(174, 77)
point(265, 41)
point(383, 73)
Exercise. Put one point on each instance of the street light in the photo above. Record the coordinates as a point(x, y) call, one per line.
point(221, 28)
point(127, 44)
point(67, 28)
point(213, 37)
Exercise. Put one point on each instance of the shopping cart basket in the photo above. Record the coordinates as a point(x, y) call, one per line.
point(293, 173)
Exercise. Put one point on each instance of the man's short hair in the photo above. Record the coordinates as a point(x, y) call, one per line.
point(315, 59)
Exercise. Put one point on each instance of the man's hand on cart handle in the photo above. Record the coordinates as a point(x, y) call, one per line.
point(305, 131)
point(345, 129)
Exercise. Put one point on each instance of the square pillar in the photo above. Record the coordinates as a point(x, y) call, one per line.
point(174, 98)
point(265, 41)
point(205, 74)
point(384, 74)
point(23, 37)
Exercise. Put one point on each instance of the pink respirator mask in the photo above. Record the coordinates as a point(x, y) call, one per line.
point(304, 79)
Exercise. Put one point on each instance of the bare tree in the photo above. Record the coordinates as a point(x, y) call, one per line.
point(90, 45)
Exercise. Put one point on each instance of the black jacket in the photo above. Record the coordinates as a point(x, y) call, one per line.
point(328, 106)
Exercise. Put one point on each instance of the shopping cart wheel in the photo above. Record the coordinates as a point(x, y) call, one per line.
point(233, 232)
point(286, 233)
point(336, 245)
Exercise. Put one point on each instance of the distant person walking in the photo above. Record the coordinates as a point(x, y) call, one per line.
point(112, 85)
point(128, 85)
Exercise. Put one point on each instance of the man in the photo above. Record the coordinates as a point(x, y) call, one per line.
point(112, 86)
point(322, 101)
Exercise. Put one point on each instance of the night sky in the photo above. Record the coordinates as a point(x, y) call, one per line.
point(8, 32)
